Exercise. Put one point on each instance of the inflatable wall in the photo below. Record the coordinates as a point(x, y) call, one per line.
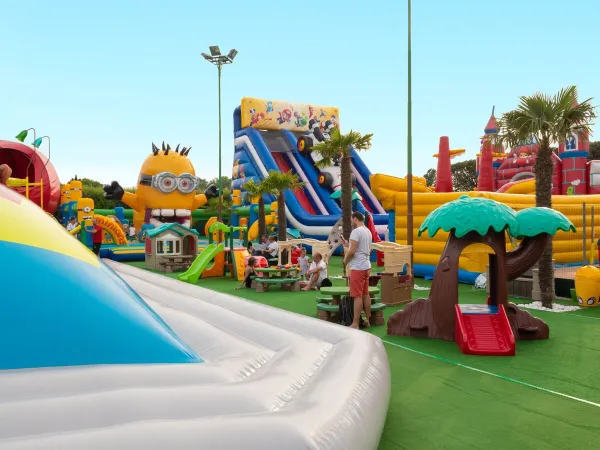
point(391, 191)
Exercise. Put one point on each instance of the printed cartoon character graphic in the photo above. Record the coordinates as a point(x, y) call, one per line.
point(522, 156)
point(269, 106)
point(322, 114)
point(285, 116)
point(256, 117)
point(311, 112)
point(166, 189)
point(301, 119)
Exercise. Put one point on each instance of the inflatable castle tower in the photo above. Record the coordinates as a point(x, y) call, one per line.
point(498, 171)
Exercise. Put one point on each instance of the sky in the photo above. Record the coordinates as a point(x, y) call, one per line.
point(106, 79)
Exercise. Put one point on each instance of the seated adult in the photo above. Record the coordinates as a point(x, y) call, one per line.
point(316, 273)
point(5, 173)
point(258, 249)
point(272, 249)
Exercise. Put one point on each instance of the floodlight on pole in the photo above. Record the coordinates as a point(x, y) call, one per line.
point(219, 60)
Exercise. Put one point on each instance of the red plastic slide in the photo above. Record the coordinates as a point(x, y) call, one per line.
point(483, 330)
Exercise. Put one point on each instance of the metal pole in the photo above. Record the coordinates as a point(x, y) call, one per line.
point(220, 209)
point(584, 236)
point(593, 235)
point(409, 190)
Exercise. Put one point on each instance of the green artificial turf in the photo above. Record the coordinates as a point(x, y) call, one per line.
point(444, 399)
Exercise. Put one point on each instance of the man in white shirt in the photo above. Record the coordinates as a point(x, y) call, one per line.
point(272, 249)
point(358, 258)
point(316, 273)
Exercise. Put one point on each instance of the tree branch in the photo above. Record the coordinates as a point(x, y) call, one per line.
point(525, 255)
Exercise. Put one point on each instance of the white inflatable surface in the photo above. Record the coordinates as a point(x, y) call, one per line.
point(271, 380)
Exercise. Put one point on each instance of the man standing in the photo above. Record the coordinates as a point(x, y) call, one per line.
point(97, 236)
point(357, 258)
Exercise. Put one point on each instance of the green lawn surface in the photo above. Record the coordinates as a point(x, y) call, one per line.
point(442, 399)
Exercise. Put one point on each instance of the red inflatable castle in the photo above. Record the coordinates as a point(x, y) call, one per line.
point(28, 164)
point(573, 174)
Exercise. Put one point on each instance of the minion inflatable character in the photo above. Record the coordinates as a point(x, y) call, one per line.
point(166, 189)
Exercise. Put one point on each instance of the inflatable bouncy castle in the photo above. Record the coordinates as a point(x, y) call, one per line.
point(33, 175)
point(513, 172)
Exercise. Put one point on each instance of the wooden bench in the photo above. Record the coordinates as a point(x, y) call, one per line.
point(286, 284)
point(330, 313)
point(325, 299)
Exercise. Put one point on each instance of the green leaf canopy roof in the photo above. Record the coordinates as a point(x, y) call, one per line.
point(534, 221)
point(480, 214)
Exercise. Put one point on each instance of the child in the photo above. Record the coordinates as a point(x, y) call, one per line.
point(248, 272)
point(97, 235)
point(303, 262)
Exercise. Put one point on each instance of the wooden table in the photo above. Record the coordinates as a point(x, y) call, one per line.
point(337, 292)
point(287, 276)
point(268, 271)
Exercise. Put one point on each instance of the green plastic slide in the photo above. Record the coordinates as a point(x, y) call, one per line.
point(193, 273)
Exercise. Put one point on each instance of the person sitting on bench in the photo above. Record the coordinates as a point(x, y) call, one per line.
point(5, 173)
point(260, 247)
point(249, 272)
point(272, 249)
point(317, 273)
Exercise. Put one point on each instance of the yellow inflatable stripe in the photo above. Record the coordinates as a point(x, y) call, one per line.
point(25, 223)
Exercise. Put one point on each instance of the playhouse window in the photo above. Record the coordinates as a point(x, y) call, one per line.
point(168, 247)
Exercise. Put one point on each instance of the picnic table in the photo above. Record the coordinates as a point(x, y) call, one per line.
point(276, 272)
point(284, 277)
point(330, 312)
point(337, 292)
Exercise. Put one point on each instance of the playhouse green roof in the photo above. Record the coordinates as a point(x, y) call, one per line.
point(174, 227)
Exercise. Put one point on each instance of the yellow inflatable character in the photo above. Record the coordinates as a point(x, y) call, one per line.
point(85, 211)
point(65, 193)
point(76, 189)
point(166, 189)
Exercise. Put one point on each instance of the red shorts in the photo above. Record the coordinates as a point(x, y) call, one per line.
point(359, 283)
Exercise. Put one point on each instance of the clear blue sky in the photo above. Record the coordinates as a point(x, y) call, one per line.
point(105, 79)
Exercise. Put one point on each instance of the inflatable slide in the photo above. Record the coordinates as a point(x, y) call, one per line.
point(266, 138)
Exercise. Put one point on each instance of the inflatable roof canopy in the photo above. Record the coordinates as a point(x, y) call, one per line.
point(26, 162)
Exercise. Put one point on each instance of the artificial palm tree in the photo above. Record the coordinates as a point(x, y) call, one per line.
point(258, 190)
point(340, 146)
point(281, 182)
point(547, 120)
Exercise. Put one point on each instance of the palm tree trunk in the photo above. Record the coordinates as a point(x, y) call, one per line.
point(262, 227)
point(346, 174)
point(543, 198)
point(282, 224)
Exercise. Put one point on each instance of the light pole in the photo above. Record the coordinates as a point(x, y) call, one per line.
point(409, 190)
point(219, 60)
point(37, 144)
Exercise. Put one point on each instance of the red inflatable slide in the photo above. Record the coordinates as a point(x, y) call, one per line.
point(371, 226)
point(27, 163)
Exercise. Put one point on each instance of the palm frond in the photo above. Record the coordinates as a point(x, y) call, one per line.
point(547, 118)
point(324, 163)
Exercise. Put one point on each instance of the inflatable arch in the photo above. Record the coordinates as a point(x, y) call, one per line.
point(113, 229)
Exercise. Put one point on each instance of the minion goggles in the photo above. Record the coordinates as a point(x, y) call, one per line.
point(166, 182)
